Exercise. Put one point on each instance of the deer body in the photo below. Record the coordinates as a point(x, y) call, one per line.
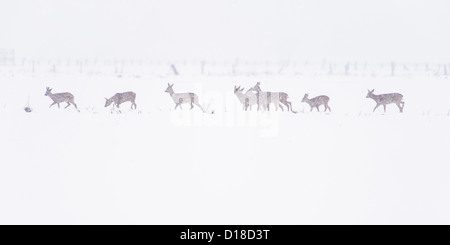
point(248, 99)
point(182, 98)
point(120, 98)
point(264, 98)
point(61, 97)
point(384, 99)
point(317, 101)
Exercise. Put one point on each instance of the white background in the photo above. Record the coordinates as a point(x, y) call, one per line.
point(155, 165)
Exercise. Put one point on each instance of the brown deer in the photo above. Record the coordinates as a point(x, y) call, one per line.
point(317, 101)
point(384, 99)
point(265, 98)
point(248, 99)
point(61, 97)
point(120, 98)
point(181, 98)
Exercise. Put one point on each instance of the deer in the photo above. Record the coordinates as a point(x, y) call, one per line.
point(265, 98)
point(248, 99)
point(317, 101)
point(181, 98)
point(61, 97)
point(120, 98)
point(384, 99)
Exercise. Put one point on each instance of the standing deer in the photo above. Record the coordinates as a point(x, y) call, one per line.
point(248, 99)
point(61, 97)
point(181, 98)
point(384, 99)
point(317, 101)
point(120, 98)
point(265, 98)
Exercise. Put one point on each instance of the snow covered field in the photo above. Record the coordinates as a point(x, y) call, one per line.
point(154, 165)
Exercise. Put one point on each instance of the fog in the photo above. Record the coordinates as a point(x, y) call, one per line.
point(413, 30)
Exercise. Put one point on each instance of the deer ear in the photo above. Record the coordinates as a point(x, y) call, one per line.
point(372, 90)
point(106, 98)
point(258, 83)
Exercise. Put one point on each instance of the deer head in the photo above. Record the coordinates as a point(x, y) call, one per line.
point(257, 88)
point(305, 98)
point(238, 89)
point(48, 92)
point(169, 88)
point(370, 93)
point(108, 102)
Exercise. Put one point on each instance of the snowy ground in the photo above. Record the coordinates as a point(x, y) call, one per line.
point(154, 165)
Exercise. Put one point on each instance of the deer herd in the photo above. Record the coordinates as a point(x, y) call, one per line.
point(253, 96)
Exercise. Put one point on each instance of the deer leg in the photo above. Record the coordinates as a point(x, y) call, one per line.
point(329, 109)
point(192, 106)
point(401, 108)
point(317, 108)
point(68, 104)
point(52, 104)
point(311, 108)
point(58, 105)
point(384, 106)
point(376, 107)
point(281, 107)
point(289, 105)
point(176, 105)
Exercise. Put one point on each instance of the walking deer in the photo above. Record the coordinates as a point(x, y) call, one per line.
point(317, 101)
point(248, 99)
point(384, 99)
point(61, 97)
point(120, 98)
point(181, 98)
point(265, 98)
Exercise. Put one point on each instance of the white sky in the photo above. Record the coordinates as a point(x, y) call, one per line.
point(407, 30)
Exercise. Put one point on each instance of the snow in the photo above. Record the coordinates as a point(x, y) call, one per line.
point(155, 165)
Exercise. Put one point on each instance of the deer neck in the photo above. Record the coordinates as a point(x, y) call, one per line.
point(240, 96)
point(307, 100)
point(373, 96)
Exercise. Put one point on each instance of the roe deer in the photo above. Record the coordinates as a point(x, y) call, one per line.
point(181, 98)
point(61, 97)
point(248, 99)
point(384, 99)
point(317, 101)
point(265, 98)
point(120, 98)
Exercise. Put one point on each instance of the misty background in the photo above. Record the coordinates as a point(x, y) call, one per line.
point(383, 30)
